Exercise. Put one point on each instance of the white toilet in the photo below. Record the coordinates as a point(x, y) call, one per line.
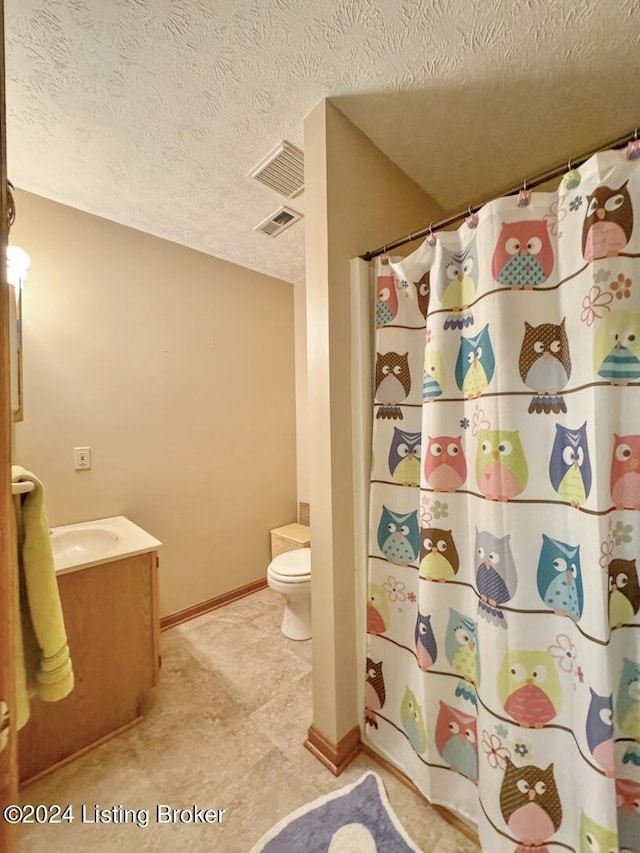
point(290, 574)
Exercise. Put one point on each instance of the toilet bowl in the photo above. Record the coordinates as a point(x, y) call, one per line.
point(290, 574)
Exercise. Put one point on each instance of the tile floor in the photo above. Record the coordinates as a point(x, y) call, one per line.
point(225, 731)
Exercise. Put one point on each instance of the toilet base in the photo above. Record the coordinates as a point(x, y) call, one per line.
point(296, 619)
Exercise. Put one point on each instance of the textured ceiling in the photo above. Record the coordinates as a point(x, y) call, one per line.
point(152, 112)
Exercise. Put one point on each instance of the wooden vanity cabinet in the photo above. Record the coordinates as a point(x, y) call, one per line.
point(112, 621)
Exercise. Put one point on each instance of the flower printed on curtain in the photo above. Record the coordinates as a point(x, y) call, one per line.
point(503, 662)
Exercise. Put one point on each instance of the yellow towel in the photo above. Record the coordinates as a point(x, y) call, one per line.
point(44, 666)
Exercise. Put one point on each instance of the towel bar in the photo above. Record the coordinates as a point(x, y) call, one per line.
point(21, 488)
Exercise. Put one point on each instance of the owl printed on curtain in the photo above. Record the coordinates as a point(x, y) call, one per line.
point(504, 593)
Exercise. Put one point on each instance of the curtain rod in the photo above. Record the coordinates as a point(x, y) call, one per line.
point(539, 179)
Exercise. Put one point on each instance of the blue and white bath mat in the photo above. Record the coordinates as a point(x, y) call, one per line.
point(357, 817)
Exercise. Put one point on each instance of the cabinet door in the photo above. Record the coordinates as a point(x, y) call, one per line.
point(111, 618)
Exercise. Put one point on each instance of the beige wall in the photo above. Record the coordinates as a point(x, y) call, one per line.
point(302, 425)
point(356, 198)
point(177, 369)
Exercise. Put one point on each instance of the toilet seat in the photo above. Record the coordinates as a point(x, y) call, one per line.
point(292, 566)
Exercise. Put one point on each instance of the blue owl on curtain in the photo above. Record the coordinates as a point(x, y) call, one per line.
point(425, 640)
point(599, 729)
point(570, 465)
point(404, 457)
point(560, 577)
point(398, 536)
point(496, 575)
point(475, 364)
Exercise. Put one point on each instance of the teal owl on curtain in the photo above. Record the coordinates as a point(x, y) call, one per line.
point(560, 577)
point(434, 377)
point(628, 700)
point(461, 646)
point(475, 364)
point(398, 536)
point(616, 348)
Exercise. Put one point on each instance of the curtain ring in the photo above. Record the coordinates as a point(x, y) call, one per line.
point(572, 177)
point(472, 218)
point(431, 237)
point(633, 147)
point(524, 196)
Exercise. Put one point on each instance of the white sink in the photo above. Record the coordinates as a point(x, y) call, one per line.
point(83, 543)
point(90, 543)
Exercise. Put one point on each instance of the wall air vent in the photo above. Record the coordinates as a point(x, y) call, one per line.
point(282, 170)
point(275, 224)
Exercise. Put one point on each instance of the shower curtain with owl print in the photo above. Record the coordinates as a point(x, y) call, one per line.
point(503, 647)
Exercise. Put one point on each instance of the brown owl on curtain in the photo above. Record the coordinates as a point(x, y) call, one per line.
point(545, 365)
point(624, 591)
point(374, 692)
point(608, 222)
point(393, 383)
point(530, 803)
point(422, 288)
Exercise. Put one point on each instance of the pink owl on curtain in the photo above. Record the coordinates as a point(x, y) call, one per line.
point(523, 257)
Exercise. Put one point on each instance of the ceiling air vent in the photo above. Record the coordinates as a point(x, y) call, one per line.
point(275, 224)
point(282, 170)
